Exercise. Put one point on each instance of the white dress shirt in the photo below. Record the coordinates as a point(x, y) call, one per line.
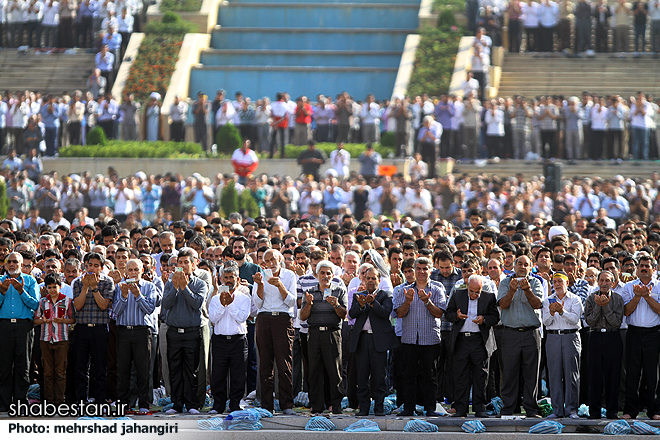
point(469, 326)
point(272, 301)
point(569, 319)
point(230, 320)
point(643, 316)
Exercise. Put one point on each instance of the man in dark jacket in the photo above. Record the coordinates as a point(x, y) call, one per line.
point(372, 335)
point(473, 313)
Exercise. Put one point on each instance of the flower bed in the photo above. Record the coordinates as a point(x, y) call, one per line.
point(153, 67)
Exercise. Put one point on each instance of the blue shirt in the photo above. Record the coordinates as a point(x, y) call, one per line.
point(88, 11)
point(419, 327)
point(105, 63)
point(136, 311)
point(448, 283)
point(14, 305)
point(114, 42)
point(443, 114)
point(50, 119)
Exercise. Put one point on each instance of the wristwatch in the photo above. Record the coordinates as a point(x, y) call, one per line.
point(96, 289)
point(427, 303)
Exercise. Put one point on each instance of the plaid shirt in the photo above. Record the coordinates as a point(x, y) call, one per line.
point(448, 283)
point(91, 313)
point(419, 327)
point(62, 308)
point(547, 123)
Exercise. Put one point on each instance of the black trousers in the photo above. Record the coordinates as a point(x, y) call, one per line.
point(134, 348)
point(178, 131)
point(420, 362)
point(398, 372)
point(183, 360)
point(230, 355)
point(605, 352)
point(642, 352)
point(372, 368)
point(548, 138)
point(445, 142)
point(427, 150)
point(91, 345)
point(325, 358)
point(521, 352)
point(597, 139)
point(74, 129)
point(445, 369)
point(16, 347)
point(350, 364)
point(471, 367)
point(296, 369)
point(278, 133)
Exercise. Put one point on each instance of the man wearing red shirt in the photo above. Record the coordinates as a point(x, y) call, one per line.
point(303, 129)
point(245, 161)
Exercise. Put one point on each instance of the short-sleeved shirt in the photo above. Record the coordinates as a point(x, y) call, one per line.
point(419, 327)
point(60, 308)
point(323, 313)
point(520, 313)
point(91, 313)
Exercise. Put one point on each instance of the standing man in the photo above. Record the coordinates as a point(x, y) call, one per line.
point(642, 310)
point(178, 113)
point(228, 312)
point(274, 295)
point(18, 300)
point(562, 312)
point(603, 312)
point(420, 308)
point(369, 159)
point(473, 313)
point(92, 296)
point(311, 160)
point(324, 307)
point(340, 160)
point(520, 297)
point(200, 114)
point(183, 299)
point(372, 335)
point(134, 302)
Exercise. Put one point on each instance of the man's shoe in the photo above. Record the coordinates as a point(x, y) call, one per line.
point(406, 413)
point(289, 412)
point(459, 415)
point(433, 414)
point(362, 414)
point(531, 415)
point(552, 416)
point(481, 415)
point(379, 414)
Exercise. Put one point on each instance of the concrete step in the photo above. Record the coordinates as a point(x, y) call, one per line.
point(332, 15)
point(308, 38)
point(258, 81)
point(220, 57)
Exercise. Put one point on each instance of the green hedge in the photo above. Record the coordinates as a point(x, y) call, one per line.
point(293, 151)
point(181, 5)
point(136, 149)
point(171, 24)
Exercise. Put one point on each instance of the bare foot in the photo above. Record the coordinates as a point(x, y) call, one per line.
point(656, 417)
point(626, 416)
point(451, 410)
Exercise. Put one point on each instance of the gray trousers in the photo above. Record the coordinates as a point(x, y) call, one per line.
point(519, 144)
point(203, 372)
point(521, 352)
point(165, 369)
point(563, 354)
point(471, 141)
point(573, 144)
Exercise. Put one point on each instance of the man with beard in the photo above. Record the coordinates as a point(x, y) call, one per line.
point(642, 341)
point(18, 302)
point(228, 311)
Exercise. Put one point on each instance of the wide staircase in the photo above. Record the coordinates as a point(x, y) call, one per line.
point(46, 73)
point(532, 75)
point(306, 48)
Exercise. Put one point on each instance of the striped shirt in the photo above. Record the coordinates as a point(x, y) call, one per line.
point(62, 308)
point(91, 313)
point(448, 283)
point(419, 327)
point(137, 311)
point(305, 283)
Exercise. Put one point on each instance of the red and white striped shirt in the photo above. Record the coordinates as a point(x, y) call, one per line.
point(61, 308)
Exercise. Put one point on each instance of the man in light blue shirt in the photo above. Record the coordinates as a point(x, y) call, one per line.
point(369, 161)
point(50, 116)
point(18, 301)
point(105, 62)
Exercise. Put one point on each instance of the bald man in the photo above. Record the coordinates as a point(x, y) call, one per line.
point(473, 313)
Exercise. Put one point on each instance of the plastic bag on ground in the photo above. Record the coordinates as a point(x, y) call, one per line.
point(320, 423)
point(302, 399)
point(641, 428)
point(618, 427)
point(214, 424)
point(494, 407)
point(243, 420)
point(416, 425)
point(363, 425)
point(473, 427)
point(547, 427)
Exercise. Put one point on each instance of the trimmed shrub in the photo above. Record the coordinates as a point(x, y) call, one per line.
point(248, 205)
point(293, 151)
point(388, 139)
point(228, 139)
point(181, 5)
point(96, 136)
point(135, 149)
point(229, 198)
point(4, 200)
point(171, 24)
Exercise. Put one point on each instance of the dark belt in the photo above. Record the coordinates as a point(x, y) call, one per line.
point(521, 329)
point(646, 329)
point(469, 334)
point(562, 332)
point(15, 320)
point(91, 325)
point(498, 327)
point(325, 329)
point(368, 331)
point(133, 327)
point(229, 337)
point(274, 313)
point(603, 330)
point(183, 330)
